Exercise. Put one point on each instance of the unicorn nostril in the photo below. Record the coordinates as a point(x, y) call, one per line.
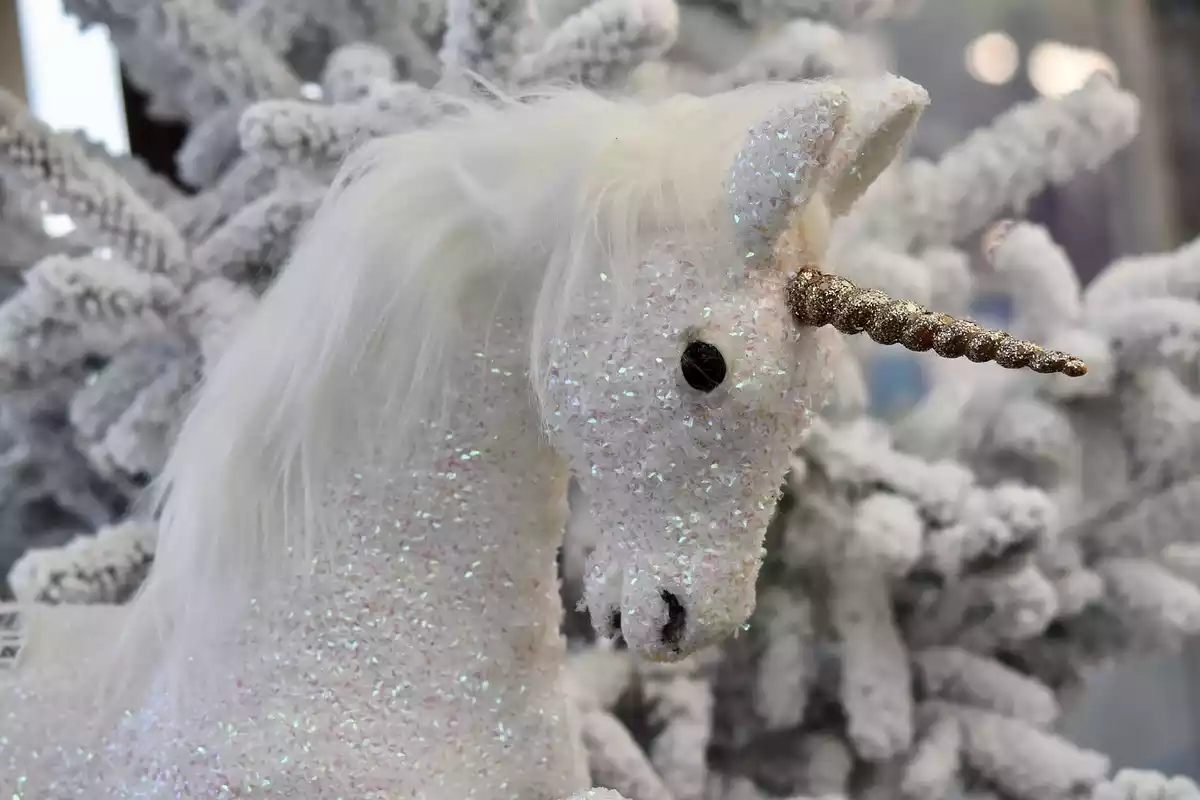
point(672, 632)
point(614, 630)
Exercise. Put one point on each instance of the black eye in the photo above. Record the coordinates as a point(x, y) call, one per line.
point(703, 366)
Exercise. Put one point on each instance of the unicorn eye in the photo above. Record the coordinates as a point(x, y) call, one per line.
point(703, 366)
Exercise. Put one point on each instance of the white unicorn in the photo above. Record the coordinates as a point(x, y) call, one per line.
point(355, 592)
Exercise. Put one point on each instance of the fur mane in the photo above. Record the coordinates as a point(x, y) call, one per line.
point(348, 348)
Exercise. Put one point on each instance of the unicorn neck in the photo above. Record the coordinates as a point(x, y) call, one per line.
point(424, 659)
point(462, 544)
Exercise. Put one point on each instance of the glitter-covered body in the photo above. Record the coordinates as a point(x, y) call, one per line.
point(428, 652)
point(437, 630)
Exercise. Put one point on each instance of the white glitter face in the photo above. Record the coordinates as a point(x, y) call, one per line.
point(677, 414)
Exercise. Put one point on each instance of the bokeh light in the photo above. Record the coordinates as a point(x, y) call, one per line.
point(993, 58)
point(1057, 69)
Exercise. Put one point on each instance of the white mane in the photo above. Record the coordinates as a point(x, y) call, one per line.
point(348, 347)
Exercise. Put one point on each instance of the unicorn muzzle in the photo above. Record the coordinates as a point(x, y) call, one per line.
point(669, 620)
point(652, 626)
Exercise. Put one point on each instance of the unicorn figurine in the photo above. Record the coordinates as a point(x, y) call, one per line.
point(355, 591)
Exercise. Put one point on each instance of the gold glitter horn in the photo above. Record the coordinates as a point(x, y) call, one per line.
point(816, 298)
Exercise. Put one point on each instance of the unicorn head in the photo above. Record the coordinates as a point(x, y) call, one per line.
point(679, 395)
point(678, 422)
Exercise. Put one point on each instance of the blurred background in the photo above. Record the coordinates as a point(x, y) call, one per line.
point(977, 58)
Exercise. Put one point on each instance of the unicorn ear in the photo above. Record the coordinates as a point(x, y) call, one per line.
point(780, 167)
point(884, 113)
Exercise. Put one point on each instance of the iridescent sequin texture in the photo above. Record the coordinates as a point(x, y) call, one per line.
point(780, 168)
point(681, 483)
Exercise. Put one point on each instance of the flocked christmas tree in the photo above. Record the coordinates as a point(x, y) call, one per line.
point(935, 590)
